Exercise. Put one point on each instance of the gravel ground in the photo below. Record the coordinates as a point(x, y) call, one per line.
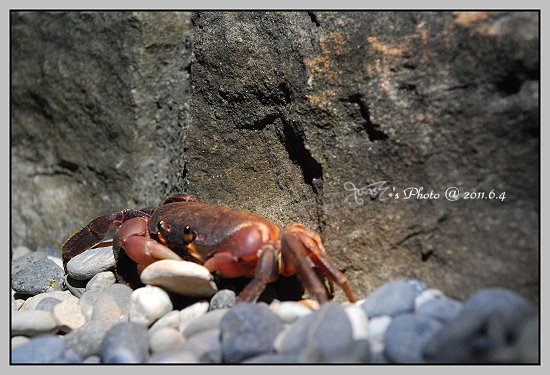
point(86, 317)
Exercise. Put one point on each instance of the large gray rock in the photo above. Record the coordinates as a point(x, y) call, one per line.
point(285, 109)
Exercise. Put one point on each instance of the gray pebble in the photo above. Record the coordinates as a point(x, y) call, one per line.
point(33, 323)
point(224, 299)
point(407, 335)
point(248, 330)
point(87, 302)
point(86, 265)
point(86, 340)
point(205, 346)
point(101, 281)
point(125, 342)
point(44, 349)
point(32, 302)
point(112, 304)
point(19, 264)
point(47, 304)
point(210, 320)
point(393, 298)
point(174, 356)
point(76, 287)
point(40, 277)
point(515, 307)
point(442, 309)
point(272, 358)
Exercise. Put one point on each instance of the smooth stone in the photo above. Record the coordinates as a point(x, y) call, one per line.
point(224, 299)
point(462, 340)
point(32, 302)
point(112, 304)
point(358, 353)
point(393, 298)
point(187, 278)
point(40, 277)
point(86, 340)
point(33, 323)
point(169, 320)
point(57, 260)
point(210, 320)
point(148, 304)
point(272, 358)
point(86, 265)
point(527, 341)
point(426, 296)
point(69, 315)
point(95, 359)
point(20, 251)
point(192, 312)
point(165, 339)
point(87, 302)
point(205, 346)
point(18, 340)
point(378, 327)
point(359, 321)
point(47, 304)
point(174, 356)
point(487, 301)
point(407, 335)
point(101, 281)
point(418, 285)
point(290, 311)
point(21, 263)
point(327, 333)
point(125, 342)
point(44, 349)
point(442, 309)
point(76, 287)
point(247, 330)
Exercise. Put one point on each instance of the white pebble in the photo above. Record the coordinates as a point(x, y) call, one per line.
point(192, 312)
point(32, 302)
point(148, 304)
point(165, 339)
point(170, 320)
point(33, 323)
point(182, 277)
point(290, 311)
point(359, 321)
point(101, 281)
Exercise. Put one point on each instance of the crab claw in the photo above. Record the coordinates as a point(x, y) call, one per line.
point(145, 250)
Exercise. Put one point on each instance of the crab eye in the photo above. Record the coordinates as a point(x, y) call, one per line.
point(188, 234)
point(163, 227)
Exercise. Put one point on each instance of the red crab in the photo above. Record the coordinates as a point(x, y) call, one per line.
point(231, 242)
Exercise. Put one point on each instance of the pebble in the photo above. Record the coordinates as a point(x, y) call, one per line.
point(224, 299)
point(148, 304)
point(169, 320)
point(187, 278)
point(248, 330)
point(21, 263)
point(101, 281)
point(487, 301)
point(32, 302)
point(44, 349)
point(39, 277)
point(76, 287)
point(87, 302)
point(125, 342)
point(86, 265)
point(18, 340)
point(206, 322)
point(359, 321)
point(112, 304)
point(377, 329)
point(393, 298)
point(427, 295)
point(69, 315)
point(442, 309)
point(165, 339)
point(33, 323)
point(290, 311)
point(86, 340)
point(192, 312)
point(57, 260)
point(174, 356)
point(47, 304)
point(406, 336)
point(327, 330)
point(205, 346)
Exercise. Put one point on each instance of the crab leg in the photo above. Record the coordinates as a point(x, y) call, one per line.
point(266, 272)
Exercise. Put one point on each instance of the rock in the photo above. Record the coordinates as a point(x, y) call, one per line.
point(44, 349)
point(358, 320)
point(86, 265)
point(377, 329)
point(208, 321)
point(125, 342)
point(487, 301)
point(205, 346)
point(33, 323)
point(165, 339)
point(76, 287)
point(393, 298)
point(169, 320)
point(175, 356)
point(101, 281)
point(406, 336)
point(18, 340)
point(223, 299)
point(442, 309)
point(290, 311)
point(326, 333)
point(527, 341)
point(40, 277)
point(186, 278)
point(86, 340)
point(69, 315)
point(272, 358)
point(20, 263)
point(32, 302)
point(427, 295)
point(112, 304)
point(148, 304)
point(248, 330)
point(87, 302)
point(57, 260)
point(189, 313)
point(47, 304)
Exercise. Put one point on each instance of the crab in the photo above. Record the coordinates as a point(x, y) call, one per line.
point(231, 242)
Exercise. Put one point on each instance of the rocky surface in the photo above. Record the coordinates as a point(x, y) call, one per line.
point(274, 112)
